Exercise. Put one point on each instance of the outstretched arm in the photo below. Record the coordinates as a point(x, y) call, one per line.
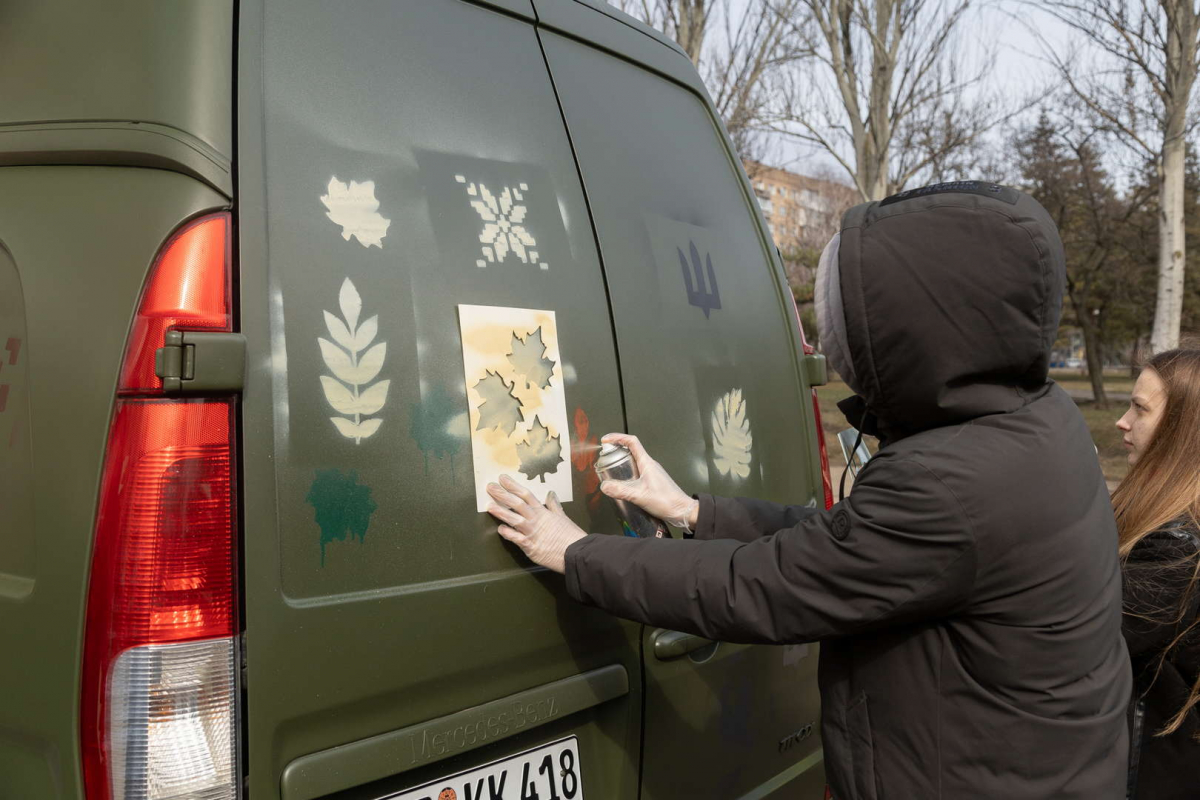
point(897, 551)
point(708, 516)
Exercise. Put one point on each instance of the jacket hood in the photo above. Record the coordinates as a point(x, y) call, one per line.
point(952, 295)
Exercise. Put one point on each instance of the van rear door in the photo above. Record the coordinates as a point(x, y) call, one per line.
point(398, 160)
point(710, 363)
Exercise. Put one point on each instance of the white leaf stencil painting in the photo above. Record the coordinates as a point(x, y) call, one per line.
point(731, 435)
point(350, 390)
point(353, 206)
point(503, 216)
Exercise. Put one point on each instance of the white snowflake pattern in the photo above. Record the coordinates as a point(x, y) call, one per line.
point(504, 230)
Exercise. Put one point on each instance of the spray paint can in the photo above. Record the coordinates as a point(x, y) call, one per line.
point(615, 463)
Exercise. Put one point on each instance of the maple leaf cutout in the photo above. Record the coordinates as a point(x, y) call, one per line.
point(731, 435)
point(499, 407)
point(528, 359)
point(353, 206)
point(540, 453)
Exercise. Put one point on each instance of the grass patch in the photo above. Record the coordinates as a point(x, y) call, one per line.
point(1114, 380)
point(1101, 423)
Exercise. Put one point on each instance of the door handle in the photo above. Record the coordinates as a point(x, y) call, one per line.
point(673, 644)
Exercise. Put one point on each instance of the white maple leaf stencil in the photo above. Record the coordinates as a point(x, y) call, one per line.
point(353, 206)
point(731, 435)
point(503, 218)
point(348, 390)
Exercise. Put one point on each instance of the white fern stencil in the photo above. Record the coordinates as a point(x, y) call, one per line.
point(350, 390)
point(731, 435)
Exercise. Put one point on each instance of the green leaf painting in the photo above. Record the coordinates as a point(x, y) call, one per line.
point(540, 453)
point(343, 506)
point(433, 422)
point(499, 407)
point(528, 358)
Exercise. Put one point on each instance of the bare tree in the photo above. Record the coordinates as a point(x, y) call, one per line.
point(888, 94)
point(742, 73)
point(738, 52)
point(685, 21)
point(1142, 88)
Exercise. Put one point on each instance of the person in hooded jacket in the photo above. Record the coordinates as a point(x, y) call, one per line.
point(1158, 520)
point(967, 592)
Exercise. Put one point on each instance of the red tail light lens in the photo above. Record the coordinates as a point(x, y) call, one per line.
point(826, 480)
point(162, 569)
point(188, 288)
point(158, 706)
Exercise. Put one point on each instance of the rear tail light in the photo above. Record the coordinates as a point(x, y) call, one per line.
point(826, 480)
point(188, 289)
point(159, 703)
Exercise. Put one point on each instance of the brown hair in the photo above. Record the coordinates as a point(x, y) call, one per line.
point(1163, 486)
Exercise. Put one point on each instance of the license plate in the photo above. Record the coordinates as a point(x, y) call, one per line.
point(549, 772)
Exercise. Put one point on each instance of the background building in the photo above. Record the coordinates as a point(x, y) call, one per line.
point(801, 211)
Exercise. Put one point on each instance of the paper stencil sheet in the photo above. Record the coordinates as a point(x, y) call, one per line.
point(518, 407)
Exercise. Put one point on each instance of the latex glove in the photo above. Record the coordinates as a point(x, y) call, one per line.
point(653, 490)
point(543, 532)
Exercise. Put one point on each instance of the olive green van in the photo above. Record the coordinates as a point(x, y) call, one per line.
point(241, 552)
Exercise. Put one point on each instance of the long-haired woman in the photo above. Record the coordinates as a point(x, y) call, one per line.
point(1158, 517)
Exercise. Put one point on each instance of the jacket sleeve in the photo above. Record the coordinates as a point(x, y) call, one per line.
point(897, 551)
point(1158, 573)
point(744, 518)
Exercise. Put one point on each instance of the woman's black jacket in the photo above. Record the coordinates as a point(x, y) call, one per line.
point(1161, 601)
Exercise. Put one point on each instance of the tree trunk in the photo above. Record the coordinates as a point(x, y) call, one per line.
point(1179, 77)
point(1095, 357)
point(1095, 364)
point(878, 126)
point(878, 186)
point(1168, 307)
point(691, 23)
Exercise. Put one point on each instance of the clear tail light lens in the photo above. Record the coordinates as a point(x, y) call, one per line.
point(159, 699)
point(171, 722)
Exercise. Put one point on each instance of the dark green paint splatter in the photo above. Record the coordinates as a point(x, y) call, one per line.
point(431, 426)
point(343, 506)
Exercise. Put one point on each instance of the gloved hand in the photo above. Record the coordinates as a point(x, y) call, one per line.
point(653, 490)
point(543, 532)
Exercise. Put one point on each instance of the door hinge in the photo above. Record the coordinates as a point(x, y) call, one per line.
point(201, 362)
point(815, 369)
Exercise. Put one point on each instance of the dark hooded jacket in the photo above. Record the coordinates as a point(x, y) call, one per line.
point(1161, 609)
point(967, 593)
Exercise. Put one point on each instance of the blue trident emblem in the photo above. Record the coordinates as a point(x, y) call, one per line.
point(700, 294)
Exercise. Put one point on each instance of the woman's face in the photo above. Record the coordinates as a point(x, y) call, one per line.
point(1145, 410)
